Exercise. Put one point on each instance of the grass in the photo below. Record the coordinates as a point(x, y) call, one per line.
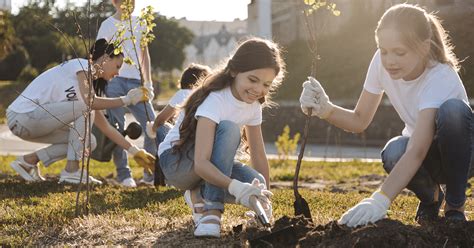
point(43, 213)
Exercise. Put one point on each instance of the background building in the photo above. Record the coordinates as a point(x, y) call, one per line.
point(6, 5)
point(214, 41)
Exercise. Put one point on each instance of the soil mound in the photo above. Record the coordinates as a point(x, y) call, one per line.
point(298, 232)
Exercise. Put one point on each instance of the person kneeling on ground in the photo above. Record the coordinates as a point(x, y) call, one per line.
point(53, 107)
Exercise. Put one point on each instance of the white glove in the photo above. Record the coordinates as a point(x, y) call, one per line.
point(314, 97)
point(151, 90)
point(134, 96)
point(149, 129)
point(267, 206)
point(243, 191)
point(367, 211)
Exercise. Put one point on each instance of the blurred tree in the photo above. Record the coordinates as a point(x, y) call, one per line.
point(7, 34)
point(167, 50)
point(13, 64)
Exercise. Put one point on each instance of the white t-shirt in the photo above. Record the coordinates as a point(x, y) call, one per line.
point(108, 30)
point(219, 106)
point(57, 84)
point(432, 88)
point(179, 97)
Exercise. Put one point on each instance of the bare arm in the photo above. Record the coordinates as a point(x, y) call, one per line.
point(359, 119)
point(258, 155)
point(109, 131)
point(416, 151)
point(164, 116)
point(99, 103)
point(205, 132)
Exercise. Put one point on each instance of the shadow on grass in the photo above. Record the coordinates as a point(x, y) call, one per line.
point(15, 188)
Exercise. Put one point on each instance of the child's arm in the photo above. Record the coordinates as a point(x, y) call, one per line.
point(133, 96)
point(205, 133)
point(258, 155)
point(314, 97)
point(163, 116)
point(374, 208)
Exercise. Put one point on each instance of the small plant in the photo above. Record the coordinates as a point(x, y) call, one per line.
point(285, 145)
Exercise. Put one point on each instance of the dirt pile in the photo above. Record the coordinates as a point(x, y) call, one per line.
point(298, 232)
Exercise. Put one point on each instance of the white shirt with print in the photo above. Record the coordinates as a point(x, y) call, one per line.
point(57, 84)
point(431, 89)
point(219, 106)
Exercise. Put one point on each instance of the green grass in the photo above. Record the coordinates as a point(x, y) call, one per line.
point(44, 213)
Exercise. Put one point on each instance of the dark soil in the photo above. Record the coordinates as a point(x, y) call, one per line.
point(298, 232)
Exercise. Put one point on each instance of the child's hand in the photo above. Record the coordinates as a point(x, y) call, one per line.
point(143, 158)
point(243, 191)
point(149, 130)
point(134, 96)
point(314, 97)
point(367, 211)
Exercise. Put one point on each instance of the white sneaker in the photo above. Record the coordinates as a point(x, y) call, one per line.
point(29, 172)
point(147, 182)
point(210, 230)
point(74, 177)
point(129, 183)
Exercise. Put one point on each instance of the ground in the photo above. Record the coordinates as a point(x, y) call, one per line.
point(44, 213)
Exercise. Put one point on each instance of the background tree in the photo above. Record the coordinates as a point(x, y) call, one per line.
point(7, 34)
point(167, 50)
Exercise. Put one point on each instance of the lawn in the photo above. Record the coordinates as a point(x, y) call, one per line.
point(44, 213)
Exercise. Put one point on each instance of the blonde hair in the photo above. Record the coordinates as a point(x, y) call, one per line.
point(415, 26)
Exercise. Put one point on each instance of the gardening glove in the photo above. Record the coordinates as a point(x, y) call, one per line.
point(267, 206)
point(149, 129)
point(134, 96)
point(151, 90)
point(143, 158)
point(367, 211)
point(314, 97)
point(242, 192)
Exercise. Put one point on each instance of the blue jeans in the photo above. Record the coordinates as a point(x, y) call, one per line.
point(179, 168)
point(117, 87)
point(449, 158)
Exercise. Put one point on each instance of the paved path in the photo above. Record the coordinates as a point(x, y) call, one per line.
point(10, 144)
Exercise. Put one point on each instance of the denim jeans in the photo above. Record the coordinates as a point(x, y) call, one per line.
point(448, 160)
point(179, 168)
point(117, 87)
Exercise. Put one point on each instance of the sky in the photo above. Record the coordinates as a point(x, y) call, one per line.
point(198, 10)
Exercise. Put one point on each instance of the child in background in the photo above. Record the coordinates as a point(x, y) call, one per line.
point(191, 75)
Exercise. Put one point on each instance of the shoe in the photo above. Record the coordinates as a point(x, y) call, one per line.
point(429, 212)
point(129, 183)
point(209, 230)
point(187, 199)
point(29, 172)
point(455, 216)
point(147, 182)
point(74, 177)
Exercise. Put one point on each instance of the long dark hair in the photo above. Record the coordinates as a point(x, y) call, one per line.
point(101, 47)
point(252, 54)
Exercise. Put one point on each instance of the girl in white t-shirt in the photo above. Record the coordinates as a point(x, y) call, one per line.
point(198, 154)
point(417, 69)
point(52, 109)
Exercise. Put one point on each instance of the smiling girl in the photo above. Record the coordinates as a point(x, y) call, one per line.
point(198, 152)
point(417, 69)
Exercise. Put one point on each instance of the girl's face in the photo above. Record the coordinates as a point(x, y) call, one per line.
point(111, 67)
point(252, 85)
point(400, 61)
